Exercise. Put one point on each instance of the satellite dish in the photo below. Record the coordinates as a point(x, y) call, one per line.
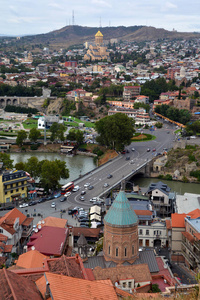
point(32, 248)
point(39, 226)
point(36, 230)
point(39, 222)
point(43, 221)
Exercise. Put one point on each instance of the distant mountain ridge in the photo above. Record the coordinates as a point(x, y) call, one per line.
point(73, 35)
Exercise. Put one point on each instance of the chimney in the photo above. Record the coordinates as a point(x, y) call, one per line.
point(77, 258)
point(47, 293)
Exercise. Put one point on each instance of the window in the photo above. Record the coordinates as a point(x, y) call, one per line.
point(11, 191)
point(5, 193)
point(17, 190)
point(109, 250)
point(117, 251)
point(133, 250)
point(125, 251)
point(124, 285)
point(147, 243)
point(140, 232)
point(147, 232)
point(1, 230)
point(22, 188)
point(130, 284)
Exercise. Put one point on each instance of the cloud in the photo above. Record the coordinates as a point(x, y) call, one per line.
point(168, 6)
point(101, 3)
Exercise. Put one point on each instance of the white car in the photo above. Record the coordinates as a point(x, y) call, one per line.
point(23, 205)
point(53, 204)
point(67, 194)
point(133, 149)
point(76, 188)
point(132, 162)
point(86, 185)
point(94, 199)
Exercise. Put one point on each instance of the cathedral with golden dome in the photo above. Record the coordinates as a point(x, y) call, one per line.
point(97, 50)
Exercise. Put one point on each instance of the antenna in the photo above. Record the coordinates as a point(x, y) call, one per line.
point(72, 17)
point(100, 22)
point(109, 23)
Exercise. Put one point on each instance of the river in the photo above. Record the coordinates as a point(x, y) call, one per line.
point(77, 165)
point(176, 186)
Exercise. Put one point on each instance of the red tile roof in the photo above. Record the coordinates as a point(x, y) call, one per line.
point(13, 286)
point(188, 236)
point(8, 220)
point(31, 259)
point(28, 221)
point(49, 240)
point(178, 220)
point(68, 288)
point(87, 232)
point(143, 212)
point(168, 224)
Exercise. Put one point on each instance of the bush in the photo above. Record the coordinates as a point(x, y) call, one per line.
point(34, 147)
point(168, 177)
point(191, 158)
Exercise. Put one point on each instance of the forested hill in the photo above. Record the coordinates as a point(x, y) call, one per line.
point(74, 35)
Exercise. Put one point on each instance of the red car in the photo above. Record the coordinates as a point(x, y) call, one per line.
point(154, 150)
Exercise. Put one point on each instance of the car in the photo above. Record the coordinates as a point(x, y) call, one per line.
point(148, 150)
point(154, 150)
point(50, 197)
point(85, 220)
point(32, 202)
point(67, 194)
point(23, 205)
point(53, 204)
point(193, 137)
point(128, 158)
point(76, 188)
point(167, 132)
point(82, 198)
point(57, 195)
point(133, 149)
point(132, 162)
point(86, 185)
point(123, 152)
point(43, 199)
point(83, 225)
point(90, 187)
point(10, 207)
point(165, 149)
point(94, 199)
point(105, 185)
point(83, 193)
point(72, 211)
point(62, 199)
point(109, 176)
point(127, 151)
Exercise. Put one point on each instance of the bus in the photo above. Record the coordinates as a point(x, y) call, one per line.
point(67, 188)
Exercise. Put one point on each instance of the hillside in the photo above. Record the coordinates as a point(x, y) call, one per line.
point(74, 35)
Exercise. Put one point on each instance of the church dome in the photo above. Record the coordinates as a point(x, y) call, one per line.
point(121, 213)
point(98, 34)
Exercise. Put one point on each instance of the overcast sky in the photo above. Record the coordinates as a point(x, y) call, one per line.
point(22, 17)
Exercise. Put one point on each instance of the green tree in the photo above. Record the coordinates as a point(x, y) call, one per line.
point(32, 167)
point(79, 136)
point(21, 136)
point(57, 131)
point(72, 134)
point(34, 134)
point(5, 159)
point(20, 166)
point(115, 131)
point(51, 173)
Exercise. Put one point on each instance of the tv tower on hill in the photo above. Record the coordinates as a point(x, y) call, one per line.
point(73, 23)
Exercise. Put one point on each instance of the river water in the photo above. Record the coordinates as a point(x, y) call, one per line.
point(80, 165)
point(178, 187)
point(77, 165)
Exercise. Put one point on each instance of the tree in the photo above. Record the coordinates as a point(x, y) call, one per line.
point(115, 131)
point(7, 162)
point(79, 136)
point(32, 167)
point(34, 134)
point(57, 131)
point(21, 136)
point(52, 172)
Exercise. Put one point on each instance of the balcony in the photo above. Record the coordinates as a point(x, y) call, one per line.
point(191, 250)
point(191, 260)
point(15, 187)
point(27, 231)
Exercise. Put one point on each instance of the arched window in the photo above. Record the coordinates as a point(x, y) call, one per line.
point(117, 251)
point(133, 250)
point(125, 251)
point(109, 250)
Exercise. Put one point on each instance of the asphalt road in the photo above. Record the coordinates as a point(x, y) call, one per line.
point(119, 168)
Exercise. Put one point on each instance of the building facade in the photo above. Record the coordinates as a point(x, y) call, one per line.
point(13, 186)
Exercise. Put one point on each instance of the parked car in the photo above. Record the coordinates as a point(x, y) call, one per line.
point(57, 195)
point(154, 150)
point(23, 205)
point(109, 176)
point(86, 185)
point(82, 198)
point(53, 204)
point(43, 199)
point(32, 202)
point(72, 211)
point(90, 187)
point(76, 188)
point(50, 197)
point(62, 199)
point(83, 193)
point(67, 194)
point(148, 150)
point(83, 225)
